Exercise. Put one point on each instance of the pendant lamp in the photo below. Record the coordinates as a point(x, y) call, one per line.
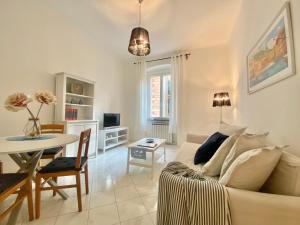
point(139, 43)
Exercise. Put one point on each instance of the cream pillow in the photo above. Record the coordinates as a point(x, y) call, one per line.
point(285, 178)
point(228, 129)
point(252, 168)
point(214, 165)
point(244, 143)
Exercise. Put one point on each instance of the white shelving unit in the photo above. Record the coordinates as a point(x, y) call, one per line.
point(82, 103)
point(76, 110)
point(112, 137)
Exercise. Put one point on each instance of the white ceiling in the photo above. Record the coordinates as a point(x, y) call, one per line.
point(173, 24)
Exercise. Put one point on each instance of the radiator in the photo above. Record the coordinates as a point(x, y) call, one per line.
point(160, 129)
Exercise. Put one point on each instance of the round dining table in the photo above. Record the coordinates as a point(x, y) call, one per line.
point(19, 147)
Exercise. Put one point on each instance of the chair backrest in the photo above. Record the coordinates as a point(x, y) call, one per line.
point(83, 142)
point(52, 128)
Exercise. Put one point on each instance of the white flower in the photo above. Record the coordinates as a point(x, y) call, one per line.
point(45, 97)
point(17, 101)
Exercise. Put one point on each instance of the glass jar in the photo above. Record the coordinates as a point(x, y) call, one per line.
point(32, 128)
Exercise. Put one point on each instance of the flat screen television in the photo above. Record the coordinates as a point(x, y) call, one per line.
point(111, 120)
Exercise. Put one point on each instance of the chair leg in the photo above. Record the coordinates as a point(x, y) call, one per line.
point(55, 180)
point(78, 184)
point(37, 196)
point(86, 175)
point(29, 199)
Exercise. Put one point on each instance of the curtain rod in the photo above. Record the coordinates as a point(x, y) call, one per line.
point(154, 60)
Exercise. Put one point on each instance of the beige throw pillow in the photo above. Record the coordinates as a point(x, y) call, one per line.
point(252, 168)
point(244, 143)
point(228, 129)
point(214, 165)
point(285, 178)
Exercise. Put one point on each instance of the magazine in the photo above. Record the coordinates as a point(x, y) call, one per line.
point(147, 145)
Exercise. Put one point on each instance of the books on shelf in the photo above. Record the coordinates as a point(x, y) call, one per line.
point(71, 113)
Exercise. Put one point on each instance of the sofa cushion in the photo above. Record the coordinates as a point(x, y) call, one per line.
point(244, 143)
point(186, 153)
point(63, 164)
point(252, 168)
point(208, 148)
point(228, 129)
point(9, 180)
point(195, 138)
point(285, 179)
point(214, 165)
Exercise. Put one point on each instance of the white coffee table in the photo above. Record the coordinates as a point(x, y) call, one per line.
point(159, 143)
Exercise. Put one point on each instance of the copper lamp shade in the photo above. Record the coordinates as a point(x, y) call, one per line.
point(139, 43)
point(221, 99)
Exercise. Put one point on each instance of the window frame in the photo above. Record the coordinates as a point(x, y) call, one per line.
point(161, 71)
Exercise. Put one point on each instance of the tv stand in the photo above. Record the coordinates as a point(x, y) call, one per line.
point(113, 137)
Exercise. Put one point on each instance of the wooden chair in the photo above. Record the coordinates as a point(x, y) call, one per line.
point(65, 166)
point(52, 153)
point(11, 183)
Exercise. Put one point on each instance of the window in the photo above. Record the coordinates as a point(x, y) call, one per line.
point(159, 93)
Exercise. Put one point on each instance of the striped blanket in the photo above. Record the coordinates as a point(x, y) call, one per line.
point(187, 198)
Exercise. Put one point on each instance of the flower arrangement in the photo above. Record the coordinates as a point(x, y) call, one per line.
point(20, 101)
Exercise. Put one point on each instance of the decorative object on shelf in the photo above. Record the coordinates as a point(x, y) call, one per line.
point(221, 99)
point(272, 58)
point(20, 101)
point(77, 88)
point(73, 101)
point(139, 43)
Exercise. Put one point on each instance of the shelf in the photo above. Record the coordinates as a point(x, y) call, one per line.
point(123, 135)
point(81, 96)
point(111, 138)
point(115, 144)
point(79, 105)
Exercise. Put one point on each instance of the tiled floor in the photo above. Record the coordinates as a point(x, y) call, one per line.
point(115, 198)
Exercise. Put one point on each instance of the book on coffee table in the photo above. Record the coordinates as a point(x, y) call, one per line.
point(147, 145)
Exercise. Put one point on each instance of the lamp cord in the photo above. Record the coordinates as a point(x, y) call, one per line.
point(140, 12)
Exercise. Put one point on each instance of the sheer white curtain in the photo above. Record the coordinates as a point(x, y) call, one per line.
point(177, 75)
point(142, 101)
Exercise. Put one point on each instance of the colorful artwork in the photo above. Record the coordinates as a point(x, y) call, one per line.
point(272, 58)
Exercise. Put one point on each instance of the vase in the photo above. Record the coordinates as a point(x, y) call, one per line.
point(32, 128)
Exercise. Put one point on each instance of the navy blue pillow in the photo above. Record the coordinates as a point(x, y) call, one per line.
point(208, 149)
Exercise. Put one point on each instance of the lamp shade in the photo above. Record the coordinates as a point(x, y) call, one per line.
point(221, 99)
point(139, 43)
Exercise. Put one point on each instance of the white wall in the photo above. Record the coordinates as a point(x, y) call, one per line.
point(207, 72)
point(275, 108)
point(39, 39)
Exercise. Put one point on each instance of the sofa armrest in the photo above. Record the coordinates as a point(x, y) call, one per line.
point(249, 208)
point(194, 138)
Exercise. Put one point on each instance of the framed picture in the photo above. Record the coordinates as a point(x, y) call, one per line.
point(272, 58)
point(77, 88)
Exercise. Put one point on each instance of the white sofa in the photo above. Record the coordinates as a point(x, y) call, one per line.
point(254, 208)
